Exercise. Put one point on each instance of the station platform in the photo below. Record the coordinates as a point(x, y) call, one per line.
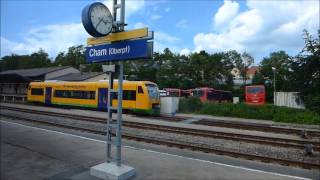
point(36, 153)
point(149, 120)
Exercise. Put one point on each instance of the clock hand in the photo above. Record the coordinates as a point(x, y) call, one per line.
point(106, 22)
point(98, 23)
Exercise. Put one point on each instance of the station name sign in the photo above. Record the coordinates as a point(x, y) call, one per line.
point(118, 51)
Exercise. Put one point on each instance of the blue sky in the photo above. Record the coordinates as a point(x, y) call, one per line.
point(256, 26)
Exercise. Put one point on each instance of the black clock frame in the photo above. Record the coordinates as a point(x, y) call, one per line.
point(86, 20)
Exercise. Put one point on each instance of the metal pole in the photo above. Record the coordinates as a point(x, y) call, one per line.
point(119, 27)
point(274, 86)
point(122, 15)
point(109, 120)
point(114, 29)
point(119, 133)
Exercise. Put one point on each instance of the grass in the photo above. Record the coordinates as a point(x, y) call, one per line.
point(265, 112)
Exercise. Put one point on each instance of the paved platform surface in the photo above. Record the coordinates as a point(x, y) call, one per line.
point(33, 153)
point(132, 118)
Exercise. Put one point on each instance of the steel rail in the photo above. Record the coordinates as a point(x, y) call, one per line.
point(199, 147)
point(259, 127)
point(280, 142)
point(232, 124)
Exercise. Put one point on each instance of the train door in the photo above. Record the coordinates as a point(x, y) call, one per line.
point(102, 99)
point(141, 98)
point(48, 95)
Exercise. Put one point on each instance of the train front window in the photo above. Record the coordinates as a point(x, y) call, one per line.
point(153, 91)
point(255, 90)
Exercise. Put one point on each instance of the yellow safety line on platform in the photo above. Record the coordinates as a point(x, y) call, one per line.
point(137, 33)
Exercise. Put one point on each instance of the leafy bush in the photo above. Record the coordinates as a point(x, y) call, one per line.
point(146, 112)
point(191, 104)
point(266, 112)
point(239, 93)
point(312, 102)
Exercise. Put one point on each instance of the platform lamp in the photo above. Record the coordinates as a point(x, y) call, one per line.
point(274, 85)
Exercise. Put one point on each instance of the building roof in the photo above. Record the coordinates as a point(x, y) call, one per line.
point(77, 76)
point(252, 70)
point(33, 72)
point(13, 78)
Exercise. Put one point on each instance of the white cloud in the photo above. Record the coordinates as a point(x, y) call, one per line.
point(161, 36)
point(139, 25)
point(58, 37)
point(155, 17)
point(226, 13)
point(183, 24)
point(52, 38)
point(185, 52)
point(163, 40)
point(264, 27)
point(7, 46)
point(132, 6)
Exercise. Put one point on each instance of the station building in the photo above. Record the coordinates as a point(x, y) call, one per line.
point(14, 83)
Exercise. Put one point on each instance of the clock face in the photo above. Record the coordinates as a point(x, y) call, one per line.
point(97, 19)
point(101, 19)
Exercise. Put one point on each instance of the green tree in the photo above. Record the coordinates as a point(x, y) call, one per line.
point(74, 57)
point(40, 59)
point(246, 61)
point(240, 61)
point(35, 60)
point(280, 61)
point(305, 68)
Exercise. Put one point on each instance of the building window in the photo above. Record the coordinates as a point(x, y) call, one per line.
point(36, 91)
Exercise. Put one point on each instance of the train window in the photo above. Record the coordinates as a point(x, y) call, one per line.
point(36, 91)
point(153, 91)
point(255, 90)
point(140, 90)
point(127, 95)
point(197, 93)
point(75, 94)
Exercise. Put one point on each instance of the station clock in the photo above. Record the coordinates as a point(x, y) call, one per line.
point(97, 19)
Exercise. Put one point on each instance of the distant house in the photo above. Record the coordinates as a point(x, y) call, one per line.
point(252, 71)
point(239, 80)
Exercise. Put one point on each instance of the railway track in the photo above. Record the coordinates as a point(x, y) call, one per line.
point(270, 141)
point(257, 127)
point(232, 124)
point(171, 143)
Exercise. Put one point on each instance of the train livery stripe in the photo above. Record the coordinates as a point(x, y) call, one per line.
point(75, 104)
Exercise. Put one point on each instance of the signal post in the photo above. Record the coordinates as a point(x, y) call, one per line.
point(111, 43)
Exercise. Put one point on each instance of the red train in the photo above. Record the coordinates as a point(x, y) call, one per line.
point(212, 95)
point(255, 95)
point(204, 93)
point(173, 92)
